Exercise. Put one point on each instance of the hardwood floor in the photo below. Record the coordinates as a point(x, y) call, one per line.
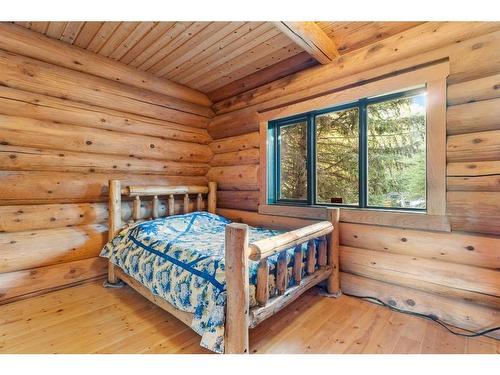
point(91, 319)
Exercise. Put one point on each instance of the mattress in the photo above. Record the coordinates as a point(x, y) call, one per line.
point(181, 259)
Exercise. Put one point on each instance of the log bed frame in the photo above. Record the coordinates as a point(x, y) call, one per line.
point(239, 317)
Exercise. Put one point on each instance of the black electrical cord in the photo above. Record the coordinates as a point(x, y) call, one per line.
point(425, 316)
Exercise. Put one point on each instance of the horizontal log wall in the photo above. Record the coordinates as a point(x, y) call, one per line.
point(235, 166)
point(454, 276)
point(19, 40)
point(67, 127)
point(460, 314)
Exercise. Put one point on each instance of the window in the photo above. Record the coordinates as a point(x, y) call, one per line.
point(370, 154)
point(337, 157)
point(292, 159)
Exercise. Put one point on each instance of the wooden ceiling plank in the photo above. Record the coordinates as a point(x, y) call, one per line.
point(55, 29)
point(186, 47)
point(265, 48)
point(210, 35)
point(203, 49)
point(264, 62)
point(177, 44)
point(310, 37)
point(241, 29)
point(118, 36)
point(87, 33)
point(142, 29)
point(286, 67)
point(158, 30)
point(102, 36)
point(177, 36)
point(163, 41)
point(71, 31)
point(227, 59)
point(250, 33)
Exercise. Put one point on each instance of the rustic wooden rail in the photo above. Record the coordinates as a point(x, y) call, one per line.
point(313, 252)
point(273, 245)
point(163, 190)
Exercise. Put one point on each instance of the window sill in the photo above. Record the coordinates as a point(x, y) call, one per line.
point(400, 219)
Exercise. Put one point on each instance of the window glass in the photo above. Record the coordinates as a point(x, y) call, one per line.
point(396, 153)
point(337, 157)
point(293, 161)
point(370, 153)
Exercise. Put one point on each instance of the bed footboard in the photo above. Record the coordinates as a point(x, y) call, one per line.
point(322, 263)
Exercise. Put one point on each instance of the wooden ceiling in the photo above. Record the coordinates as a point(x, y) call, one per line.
point(210, 56)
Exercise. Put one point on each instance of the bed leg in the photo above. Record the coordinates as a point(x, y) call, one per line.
point(237, 286)
point(114, 225)
point(112, 281)
point(333, 282)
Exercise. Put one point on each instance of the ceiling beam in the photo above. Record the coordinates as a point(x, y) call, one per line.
point(311, 38)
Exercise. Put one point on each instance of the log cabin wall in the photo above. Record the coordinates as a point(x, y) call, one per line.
point(69, 121)
point(454, 276)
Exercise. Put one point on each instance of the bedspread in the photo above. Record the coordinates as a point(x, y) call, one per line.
point(181, 259)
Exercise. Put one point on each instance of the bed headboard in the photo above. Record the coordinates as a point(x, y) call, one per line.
point(116, 191)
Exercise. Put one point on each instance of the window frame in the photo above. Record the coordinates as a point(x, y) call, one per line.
point(277, 157)
point(367, 84)
point(310, 119)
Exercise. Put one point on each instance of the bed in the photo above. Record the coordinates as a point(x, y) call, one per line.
point(220, 277)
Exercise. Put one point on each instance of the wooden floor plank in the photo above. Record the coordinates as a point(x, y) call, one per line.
point(385, 341)
point(437, 340)
point(300, 335)
point(91, 319)
point(411, 334)
point(368, 330)
point(479, 346)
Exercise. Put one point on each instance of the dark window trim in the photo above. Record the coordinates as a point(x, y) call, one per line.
point(310, 118)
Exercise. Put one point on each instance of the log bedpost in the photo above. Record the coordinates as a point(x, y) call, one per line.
point(115, 220)
point(237, 286)
point(333, 282)
point(212, 197)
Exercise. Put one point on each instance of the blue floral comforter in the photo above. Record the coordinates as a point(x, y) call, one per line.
point(181, 259)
